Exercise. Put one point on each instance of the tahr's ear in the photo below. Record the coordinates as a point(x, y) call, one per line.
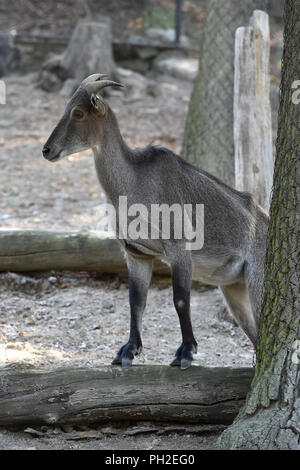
point(98, 104)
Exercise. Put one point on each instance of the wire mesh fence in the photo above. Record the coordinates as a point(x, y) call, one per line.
point(208, 140)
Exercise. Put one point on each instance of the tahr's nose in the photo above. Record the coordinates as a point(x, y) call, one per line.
point(46, 151)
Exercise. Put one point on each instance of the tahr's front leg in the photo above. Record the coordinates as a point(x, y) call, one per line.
point(182, 281)
point(140, 273)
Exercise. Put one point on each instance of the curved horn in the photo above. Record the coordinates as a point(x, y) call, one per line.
point(96, 86)
point(93, 78)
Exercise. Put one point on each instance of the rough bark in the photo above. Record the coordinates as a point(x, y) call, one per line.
point(42, 250)
point(208, 138)
point(155, 393)
point(271, 416)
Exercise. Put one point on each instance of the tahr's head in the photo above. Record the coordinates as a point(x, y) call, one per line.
point(78, 129)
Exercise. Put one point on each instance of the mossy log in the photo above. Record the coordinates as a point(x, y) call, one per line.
point(111, 394)
point(44, 250)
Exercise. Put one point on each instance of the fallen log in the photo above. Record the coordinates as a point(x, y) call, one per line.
point(111, 394)
point(42, 250)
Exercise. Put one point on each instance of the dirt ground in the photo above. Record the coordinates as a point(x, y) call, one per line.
point(142, 437)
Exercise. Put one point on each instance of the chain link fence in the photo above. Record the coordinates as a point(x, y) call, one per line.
point(208, 139)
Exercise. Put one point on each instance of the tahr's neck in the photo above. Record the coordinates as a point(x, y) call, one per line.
point(112, 158)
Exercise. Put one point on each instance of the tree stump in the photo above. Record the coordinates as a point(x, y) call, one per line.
point(89, 51)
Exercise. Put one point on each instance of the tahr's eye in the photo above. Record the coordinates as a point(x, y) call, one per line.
point(77, 114)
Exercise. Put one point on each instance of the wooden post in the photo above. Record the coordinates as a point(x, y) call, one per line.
point(110, 393)
point(252, 109)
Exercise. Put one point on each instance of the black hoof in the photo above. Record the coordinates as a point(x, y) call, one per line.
point(126, 355)
point(184, 356)
point(176, 362)
point(126, 362)
point(182, 363)
point(185, 364)
point(116, 361)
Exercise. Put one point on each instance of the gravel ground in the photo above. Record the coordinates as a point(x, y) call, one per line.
point(77, 320)
point(145, 436)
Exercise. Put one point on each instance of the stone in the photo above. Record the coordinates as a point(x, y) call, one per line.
point(177, 66)
point(34, 432)
point(146, 53)
point(135, 83)
point(166, 35)
point(137, 65)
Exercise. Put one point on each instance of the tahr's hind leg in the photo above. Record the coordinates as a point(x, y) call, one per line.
point(238, 301)
point(181, 280)
point(254, 278)
point(140, 272)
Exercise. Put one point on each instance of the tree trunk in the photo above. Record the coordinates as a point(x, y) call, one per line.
point(208, 139)
point(155, 393)
point(271, 416)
